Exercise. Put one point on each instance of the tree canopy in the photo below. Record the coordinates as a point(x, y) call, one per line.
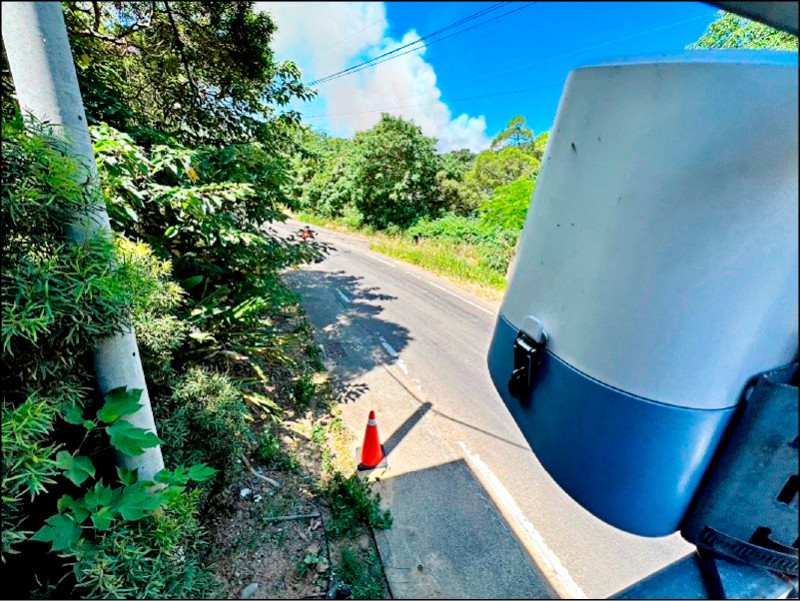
point(732, 31)
point(201, 72)
point(394, 172)
point(516, 134)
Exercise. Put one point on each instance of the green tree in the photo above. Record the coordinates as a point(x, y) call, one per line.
point(516, 134)
point(509, 204)
point(540, 144)
point(454, 166)
point(321, 174)
point(732, 31)
point(202, 72)
point(394, 173)
point(495, 169)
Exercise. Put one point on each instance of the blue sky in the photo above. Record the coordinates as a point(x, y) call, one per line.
point(456, 89)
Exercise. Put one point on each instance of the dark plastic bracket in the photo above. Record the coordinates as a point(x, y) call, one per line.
point(528, 356)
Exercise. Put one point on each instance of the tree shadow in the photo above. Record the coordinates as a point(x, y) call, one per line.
point(346, 315)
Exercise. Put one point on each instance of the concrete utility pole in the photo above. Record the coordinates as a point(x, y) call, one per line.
point(39, 55)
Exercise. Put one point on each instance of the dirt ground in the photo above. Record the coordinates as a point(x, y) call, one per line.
point(271, 542)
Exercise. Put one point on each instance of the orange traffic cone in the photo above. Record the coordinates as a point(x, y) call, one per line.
point(371, 455)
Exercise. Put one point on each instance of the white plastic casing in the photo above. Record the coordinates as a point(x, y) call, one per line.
point(660, 251)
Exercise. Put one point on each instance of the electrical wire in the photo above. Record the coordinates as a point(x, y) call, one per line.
point(368, 65)
point(417, 41)
point(392, 108)
point(517, 68)
point(352, 35)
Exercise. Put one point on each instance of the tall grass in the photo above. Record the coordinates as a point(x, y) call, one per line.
point(475, 266)
point(463, 263)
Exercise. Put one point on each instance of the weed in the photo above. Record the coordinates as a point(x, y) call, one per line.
point(318, 433)
point(364, 575)
point(270, 452)
point(304, 390)
point(353, 505)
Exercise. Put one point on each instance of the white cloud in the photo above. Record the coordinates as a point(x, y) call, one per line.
point(326, 37)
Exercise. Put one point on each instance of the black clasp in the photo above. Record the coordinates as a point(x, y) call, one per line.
point(528, 356)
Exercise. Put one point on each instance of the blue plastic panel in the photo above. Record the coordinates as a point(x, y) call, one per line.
point(632, 462)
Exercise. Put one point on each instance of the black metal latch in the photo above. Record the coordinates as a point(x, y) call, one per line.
point(528, 356)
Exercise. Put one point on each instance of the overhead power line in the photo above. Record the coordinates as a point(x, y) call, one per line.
point(431, 43)
point(352, 35)
point(517, 68)
point(419, 42)
point(392, 108)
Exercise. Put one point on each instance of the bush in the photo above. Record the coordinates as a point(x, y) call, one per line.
point(508, 205)
point(455, 228)
point(159, 557)
point(352, 217)
point(156, 297)
point(58, 301)
point(493, 242)
point(205, 420)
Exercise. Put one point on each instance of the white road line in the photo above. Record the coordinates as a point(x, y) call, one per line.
point(469, 302)
point(427, 281)
point(403, 366)
point(388, 347)
point(548, 561)
point(343, 296)
point(392, 265)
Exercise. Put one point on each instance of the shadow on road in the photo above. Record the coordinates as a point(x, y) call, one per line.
point(405, 428)
point(347, 315)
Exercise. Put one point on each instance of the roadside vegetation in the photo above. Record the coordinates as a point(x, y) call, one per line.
point(458, 214)
point(191, 169)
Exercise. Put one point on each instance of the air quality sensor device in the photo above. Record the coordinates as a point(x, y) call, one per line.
point(656, 275)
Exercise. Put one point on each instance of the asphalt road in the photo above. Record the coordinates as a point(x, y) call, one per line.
point(434, 337)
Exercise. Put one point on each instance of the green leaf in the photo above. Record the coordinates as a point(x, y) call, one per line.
point(136, 502)
point(179, 476)
point(102, 518)
point(61, 531)
point(201, 472)
point(129, 439)
point(100, 496)
point(76, 468)
point(76, 507)
point(191, 282)
point(127, 476)
point(74, 415)
point(119, 402)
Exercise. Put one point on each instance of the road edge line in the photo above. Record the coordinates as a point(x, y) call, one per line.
point(553, 570)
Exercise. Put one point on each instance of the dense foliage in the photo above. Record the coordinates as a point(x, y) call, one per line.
point(732, 31)
point(184, 98)
point(200, 72)
point(59, 483)
point(390, 178)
